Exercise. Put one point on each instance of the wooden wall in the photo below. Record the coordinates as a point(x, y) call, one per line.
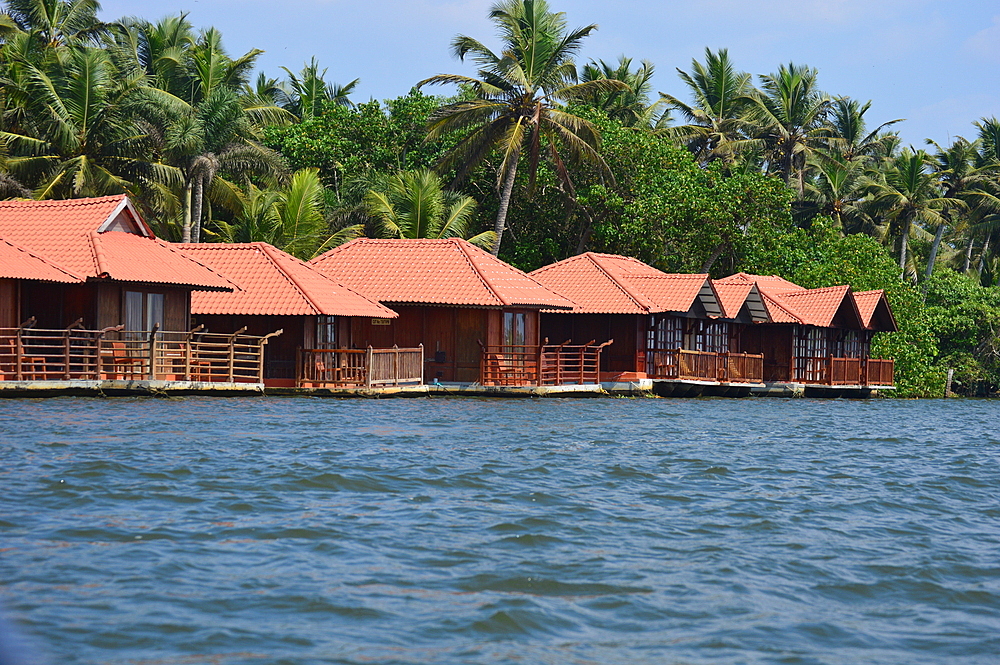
point(627, 330)
point(776, 342)
point(9, 314)
point(281, 351)
point(450, 336)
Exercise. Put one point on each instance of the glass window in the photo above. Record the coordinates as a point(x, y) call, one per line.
point(154, 310)
point(134, 320)
point(514, 324)
point(326, 332)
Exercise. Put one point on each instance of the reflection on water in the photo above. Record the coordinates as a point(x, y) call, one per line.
point(485, 531)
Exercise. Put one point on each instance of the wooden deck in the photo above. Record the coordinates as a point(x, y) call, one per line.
point(541, 365)
point(359, 368)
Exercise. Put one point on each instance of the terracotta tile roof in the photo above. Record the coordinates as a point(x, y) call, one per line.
point(17, 262)
point(274, 283)
point(769, 283)
point(437, 272)
point(611, 284)
point(868, 302)
point(69, 233)
point(818, 307)
point(732, 296)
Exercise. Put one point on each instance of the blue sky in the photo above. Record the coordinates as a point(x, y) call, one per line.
point(937, 64)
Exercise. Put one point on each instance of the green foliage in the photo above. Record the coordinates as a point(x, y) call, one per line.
point(821, 257)
point(966, 318)
point(348, 144)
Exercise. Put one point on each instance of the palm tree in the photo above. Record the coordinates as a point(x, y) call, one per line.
point(906, 194)
point(836, 189)
point(291, 218)
point(57, 22)
point(790, 112)
point(850, 135)
point(414, 204)
point(630, 107)
point(82, 132)
point(309, 91)
point(716, 129)
point(514, 108)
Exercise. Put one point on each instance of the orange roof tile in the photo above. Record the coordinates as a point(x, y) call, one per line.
point(274, 283)
point(818, 307)
point(868, 302)
point(17, 262)
point(611, 284)
point(438, 272)
point(732, 296)
point(82, 236)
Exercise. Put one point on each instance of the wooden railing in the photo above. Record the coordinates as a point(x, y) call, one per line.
point(342, 368)
point(541, 365)
point(831, 371)
point(879, 372)
point(33, 354)
point(685, 365)
point(741, 368)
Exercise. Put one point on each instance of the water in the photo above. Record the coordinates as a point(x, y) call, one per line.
point(269, 530)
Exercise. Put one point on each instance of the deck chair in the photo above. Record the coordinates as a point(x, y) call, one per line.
point(124, 364)
point(32, 367)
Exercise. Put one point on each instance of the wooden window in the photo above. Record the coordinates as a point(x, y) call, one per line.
point(849, 344)
point(710, 336)
point(143, 310)
point(514, 327)
point(326, 332)
point(666, 332)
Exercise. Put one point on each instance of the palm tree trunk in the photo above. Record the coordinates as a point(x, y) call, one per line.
point(982, 256)
point(968, 255)
point(505, 191)
point(196, 204)
point(934, 251)
point(904, 241)
point(186, 237)
point(716, 253)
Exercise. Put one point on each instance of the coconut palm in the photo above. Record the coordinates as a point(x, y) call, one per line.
point(850, 136)
point(715, 128)
point(906, 194)
point(837, 189)
point(414, 204)
point(631, 107)
point(56, 22)
point(83, 132)
point(309, 91)
point(514, 105)
point(291, 218)
point(790, 112)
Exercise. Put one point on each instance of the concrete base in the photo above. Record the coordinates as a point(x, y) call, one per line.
point(789, 389)
point(114, 388)
point(629, 388)
point(476, 390)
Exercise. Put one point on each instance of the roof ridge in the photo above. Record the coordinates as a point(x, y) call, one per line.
point(97, 253)
point(475, 268)
point(621, 287)
point(266, 249)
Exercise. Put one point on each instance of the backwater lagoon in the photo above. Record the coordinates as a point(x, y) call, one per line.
point(461, 530)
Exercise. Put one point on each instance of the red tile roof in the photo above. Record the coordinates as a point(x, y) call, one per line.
point(436, 272)
point(732, 296)
point(611, 284)
point(274, 283)
point(17, 262)
point(818, 307)
point(788, 302)
point(868, 303)
point(82, 236)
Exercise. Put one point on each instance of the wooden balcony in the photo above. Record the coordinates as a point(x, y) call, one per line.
point(359, 368)
point(831, 371)
point(685, 365)
point(542, 365)
point(74, 353)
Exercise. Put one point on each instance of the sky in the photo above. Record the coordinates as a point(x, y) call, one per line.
point(935, 64)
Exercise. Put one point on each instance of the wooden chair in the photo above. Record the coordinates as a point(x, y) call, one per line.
point(32, 367)
point(124, 364)
point(502, 371)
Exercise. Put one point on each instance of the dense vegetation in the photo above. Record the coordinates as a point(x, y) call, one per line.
point(536, 156)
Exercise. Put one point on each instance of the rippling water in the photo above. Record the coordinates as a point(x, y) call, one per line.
point(270, 530)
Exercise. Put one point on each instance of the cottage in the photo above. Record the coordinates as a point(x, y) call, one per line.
point(281, 292)
point(818, 337)
point(476, 316)
point(87, 292)
point(671, 328)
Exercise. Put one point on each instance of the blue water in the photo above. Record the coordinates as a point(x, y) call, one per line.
point(447, 531)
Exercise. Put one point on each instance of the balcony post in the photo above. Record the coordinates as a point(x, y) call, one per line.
point(369, 355)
